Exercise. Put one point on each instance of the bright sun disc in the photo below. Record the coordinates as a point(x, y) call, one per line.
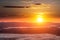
point(39, 19)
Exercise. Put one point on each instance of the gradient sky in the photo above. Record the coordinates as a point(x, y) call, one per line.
point(51, 7)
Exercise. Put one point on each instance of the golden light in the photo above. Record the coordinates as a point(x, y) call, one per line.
point(39, 20)
point(39, 17)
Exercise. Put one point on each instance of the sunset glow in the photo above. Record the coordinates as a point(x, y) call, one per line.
point(39, 19)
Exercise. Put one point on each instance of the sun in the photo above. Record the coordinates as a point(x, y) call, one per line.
point(39, 20)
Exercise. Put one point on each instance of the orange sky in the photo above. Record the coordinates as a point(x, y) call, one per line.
point(28, 20)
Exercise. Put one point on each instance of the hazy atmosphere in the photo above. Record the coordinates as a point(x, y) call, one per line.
point(49, 9)
point(29, 19)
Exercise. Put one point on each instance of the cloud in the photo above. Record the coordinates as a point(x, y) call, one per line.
point(11, 12)
point(31, 36)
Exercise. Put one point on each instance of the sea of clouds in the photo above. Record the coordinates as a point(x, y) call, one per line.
point(31, 36)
